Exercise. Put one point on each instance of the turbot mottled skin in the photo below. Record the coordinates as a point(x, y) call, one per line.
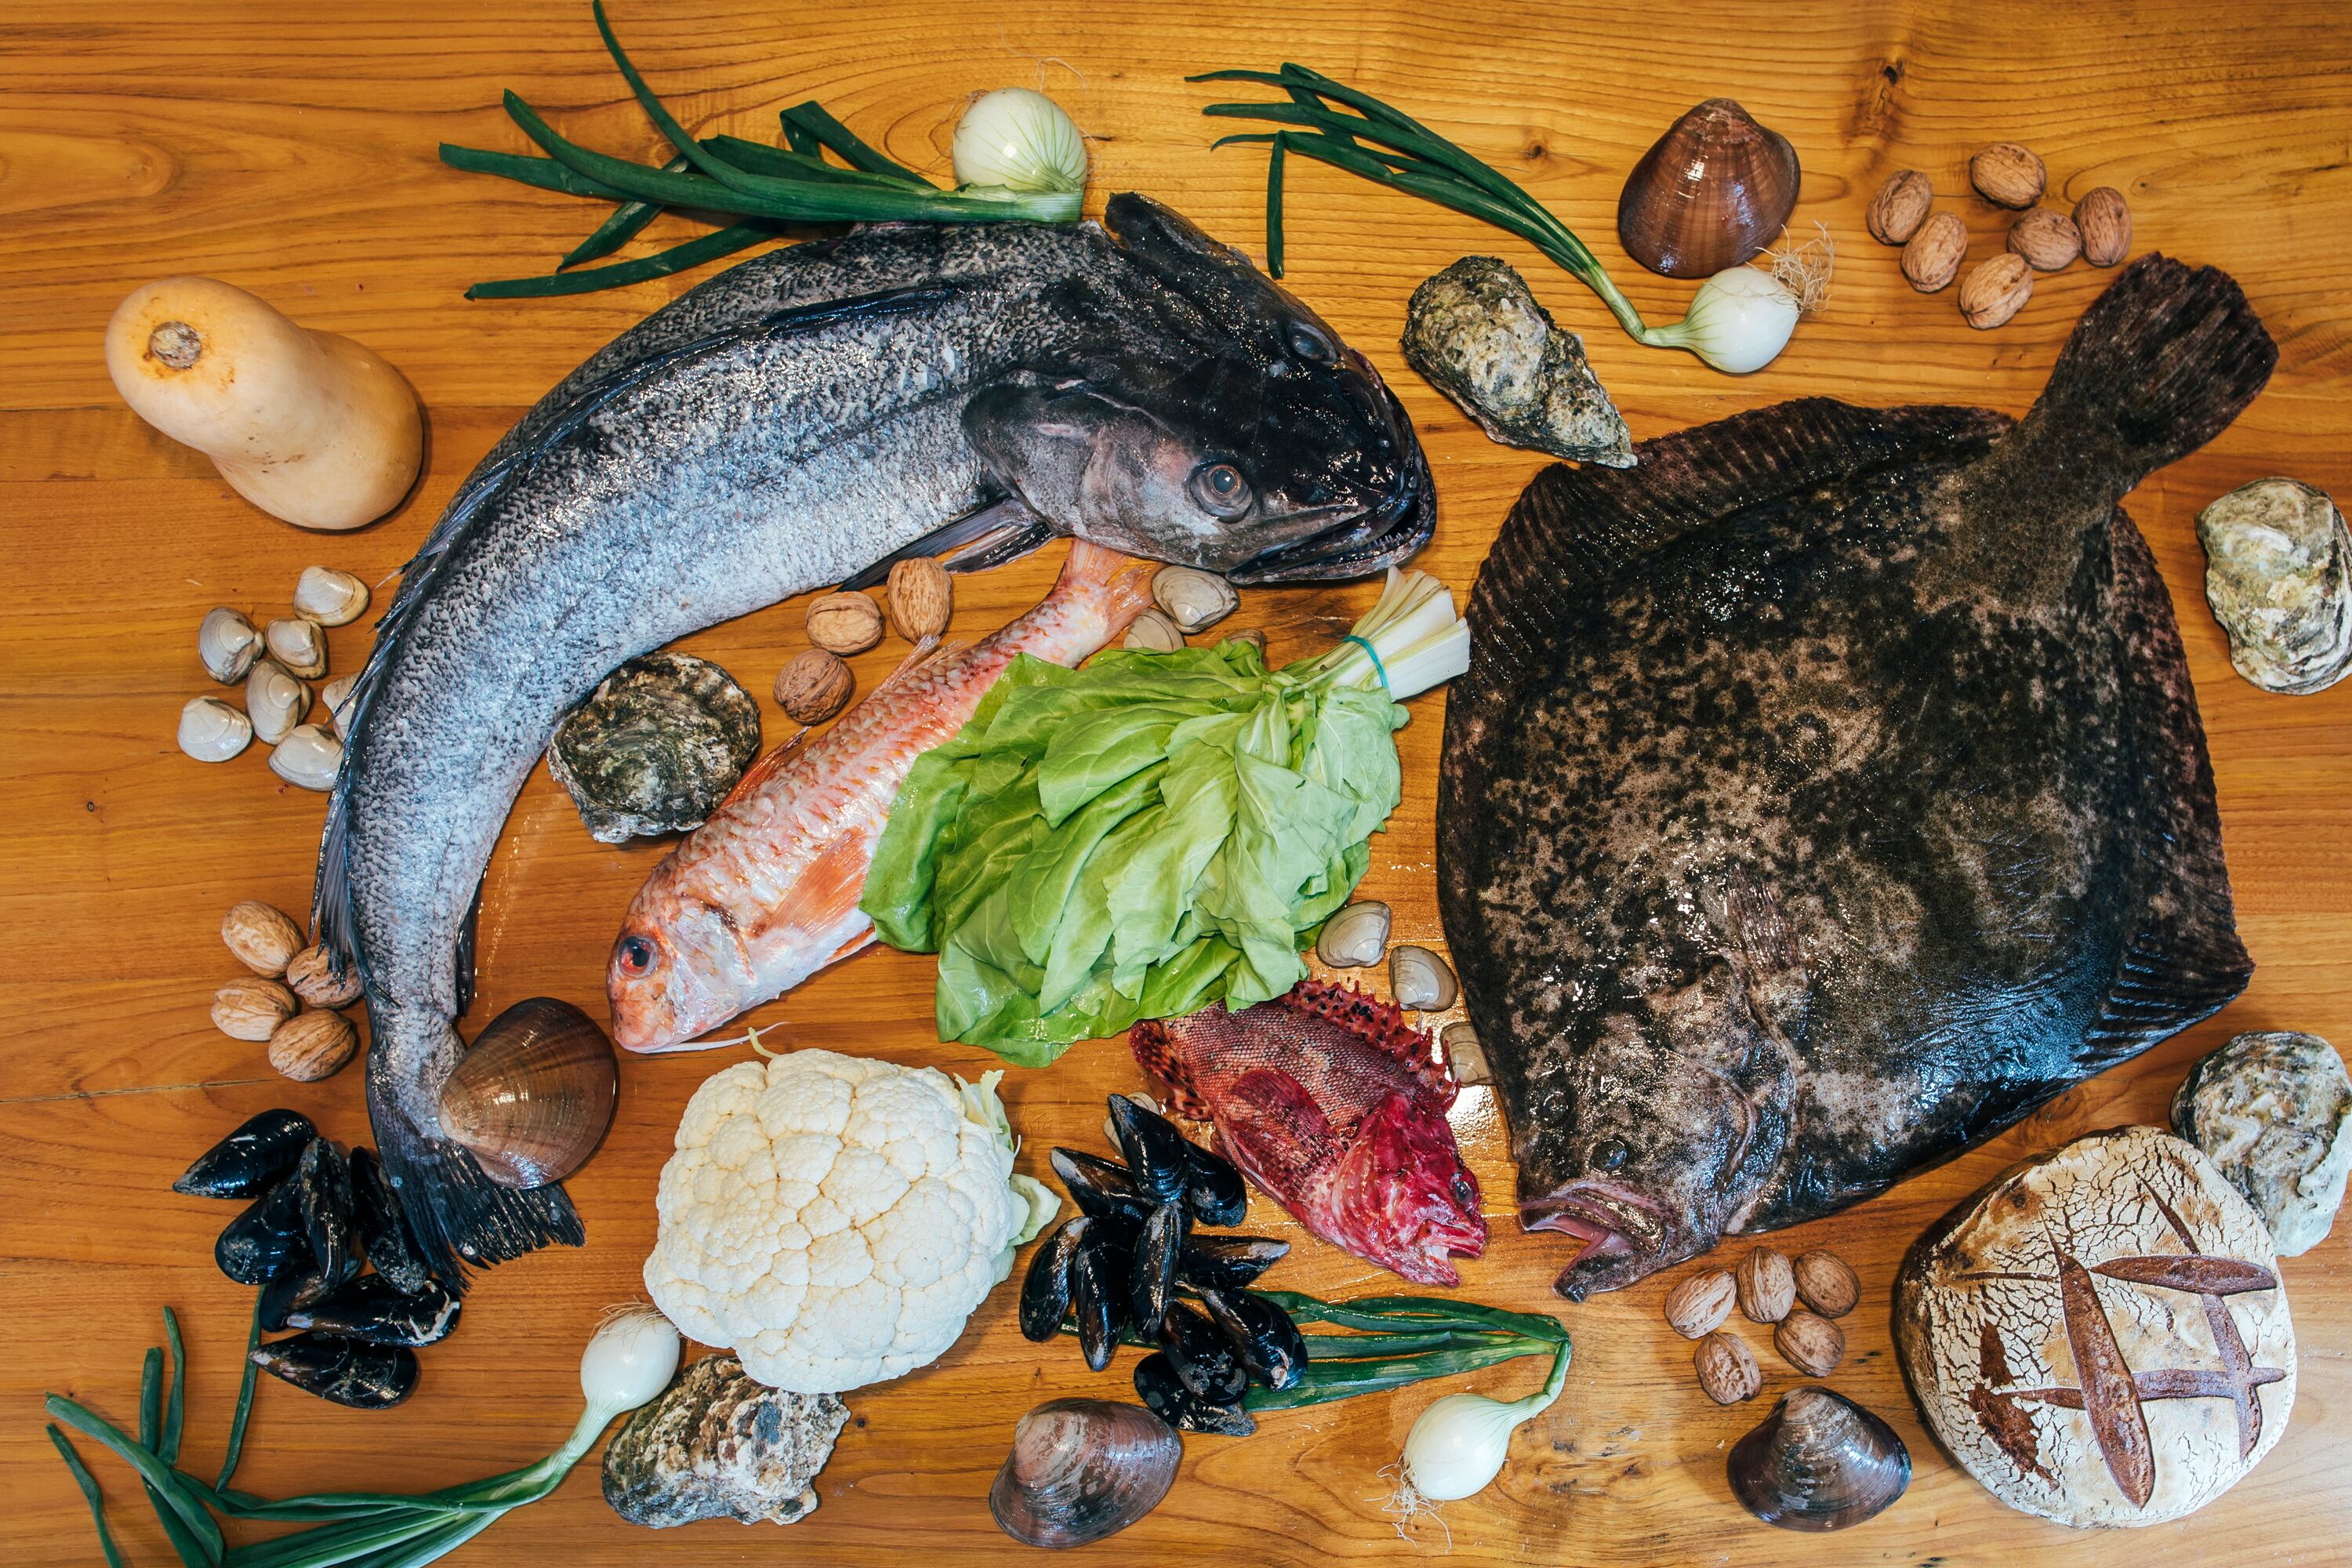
point(1827, 792)
point(784, 427)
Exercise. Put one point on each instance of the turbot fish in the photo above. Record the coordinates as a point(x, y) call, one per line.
point(791, 424)
point(765, 893)
point(1828, 791)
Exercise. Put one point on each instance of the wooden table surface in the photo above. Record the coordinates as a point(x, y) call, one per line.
point(291, 150)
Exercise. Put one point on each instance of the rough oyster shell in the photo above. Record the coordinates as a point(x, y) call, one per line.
point(1478, 335)
point(2278, 574)
point(657, 747)
point(719, 1445)
point(2274, 1111)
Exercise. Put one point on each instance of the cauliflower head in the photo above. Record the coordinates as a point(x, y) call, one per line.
point(834, 1220)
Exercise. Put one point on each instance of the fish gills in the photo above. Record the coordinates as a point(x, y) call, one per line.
point(1828, 792)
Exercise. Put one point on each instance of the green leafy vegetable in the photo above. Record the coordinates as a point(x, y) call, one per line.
point(1153, 833)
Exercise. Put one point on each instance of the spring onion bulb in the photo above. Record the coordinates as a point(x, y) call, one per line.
point(1017, 140)
point(1458, 1446)
point(1416, 640)
point(1739, 319)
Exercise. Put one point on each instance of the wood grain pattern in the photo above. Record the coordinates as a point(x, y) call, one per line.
point(290, 149)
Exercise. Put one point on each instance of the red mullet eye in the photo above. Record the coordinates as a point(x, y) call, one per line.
point(636, 955)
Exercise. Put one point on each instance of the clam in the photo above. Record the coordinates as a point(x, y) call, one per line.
point(299, 645)
point(382, 1229)
point(1154, 1150)
point(274, 701)
point(213, 732)
point(1081, 1469)
point(1709, 194)
point(329, 597)
point(1157, 1382)
point(1355, 936)
point(250, 1158)
point(1421, 979)
point(308, 757)
point(1818, 1461)
point(1192, 599)
point(346, 1371)
point(532, 1098)
point(1213, 1187)
point(1045, 1289)
point(227, 643)
point(1153, 1283)
point(655, 748)
point(1227, 1262)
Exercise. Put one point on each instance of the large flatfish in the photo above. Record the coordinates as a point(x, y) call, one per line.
point(1827, 792)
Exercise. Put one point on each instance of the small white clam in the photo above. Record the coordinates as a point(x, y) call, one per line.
point(329, 597)
point(227, 643)
point(299, 646)
point(274, 701)
point(307, 756)
point(1468, 1057)
point(1420, 980)
point(1193, 598)
point(1154, 633)
point(337, 695)
point(213, 732)
point(1355, 937)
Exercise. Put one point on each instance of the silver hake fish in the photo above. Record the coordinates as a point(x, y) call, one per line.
point(792, 423)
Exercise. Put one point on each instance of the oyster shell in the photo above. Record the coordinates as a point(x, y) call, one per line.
point(2274, 1111)
point(1478, 335)
point(2278, 572)
point(719, 1445)
point(655, 748)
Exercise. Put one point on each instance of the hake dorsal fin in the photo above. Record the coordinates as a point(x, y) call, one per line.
point(1575, 527)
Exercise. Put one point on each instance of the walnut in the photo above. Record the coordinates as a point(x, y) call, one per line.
point(2048, 240)
point(844, 623)
point(2007, 176)
point(1727, 1372)
point(920, 598)
point(313, 979)
point(1933, 257)
point(263, 939)
point(1697, 1307)
point(1825, 1284)
point(1900, 206)
point(814, 685)
point(1810, 1344)
point(1995, 290)
point(1768, 1288)
point(2105, 223)
point(251, 1009)
point(313, 1046)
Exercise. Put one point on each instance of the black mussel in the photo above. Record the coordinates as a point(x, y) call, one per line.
point(1152, 1283)
point(1261, 1333)
point(1097, 1299)
point(1818, 1461)
point(1228, 1262)
point(1081, 1469)
point(1153, 1148)
point(250, 1160)
point(383, 1230)
point(344, 1371)
point(1100, 1188)
point(267, 1240)
point(1157, 1382)
point(301, 1286)
point(370, 1309)
point(1045, 1289)
point(324, 1181)
point(1213, 1189)
point(1208, 1365)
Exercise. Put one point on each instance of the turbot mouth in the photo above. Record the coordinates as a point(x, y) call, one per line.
point(1367, 540)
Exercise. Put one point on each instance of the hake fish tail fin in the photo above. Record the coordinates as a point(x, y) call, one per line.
point(1575, 529)
point(2185, 961)
point(460, 1219)
point(2158, 366)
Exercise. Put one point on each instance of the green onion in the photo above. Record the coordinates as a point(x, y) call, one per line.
point(727, 177)
point(243, 1400)
point(89, 1484)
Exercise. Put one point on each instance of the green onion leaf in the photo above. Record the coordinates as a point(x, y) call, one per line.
point(545, 172)
point(174, 1407)
point(813, 118)
point(797, 137)
point(151, 1399)
point(625, 224)
point(89, 1484)
point(677, 258)
point(177, 1502)
point(1273, 207)
point(243, 1400)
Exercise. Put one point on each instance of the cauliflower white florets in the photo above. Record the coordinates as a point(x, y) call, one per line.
point(834, 1220)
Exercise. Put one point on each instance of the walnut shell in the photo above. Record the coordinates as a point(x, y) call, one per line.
point(1933, 257)
point(1768, 1286)
point(814, 685)
point(1900, 206)
point(313, 1046)
point(263, 938)
point(313, 979)
point(251, 1009)
point(1727, 1372)
point(1825, 1284)
point(2105, 224)
point(920, 598)
point(2048, 240)
point(1995, 290)
point(2007, 176)
point(1810, 1344)
point(844, 623)
point(1698, 1306)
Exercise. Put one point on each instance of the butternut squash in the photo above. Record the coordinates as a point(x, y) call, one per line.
point(308, 425)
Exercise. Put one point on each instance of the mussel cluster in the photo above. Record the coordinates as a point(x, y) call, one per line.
point(315, 1217)
point(1132, 1264)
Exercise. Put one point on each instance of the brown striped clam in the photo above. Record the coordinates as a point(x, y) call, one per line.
point(1081, 1469)
point(532, 1098)
point(1709, 194)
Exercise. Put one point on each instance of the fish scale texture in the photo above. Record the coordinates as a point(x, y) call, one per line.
point(831, 1219)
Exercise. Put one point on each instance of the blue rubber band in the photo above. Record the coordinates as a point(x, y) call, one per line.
point(1374, 654)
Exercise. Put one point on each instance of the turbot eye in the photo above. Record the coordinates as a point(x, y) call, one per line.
point(636, 955)
point(1311, 345)
point(1220, 490)
point(1609, 1153)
